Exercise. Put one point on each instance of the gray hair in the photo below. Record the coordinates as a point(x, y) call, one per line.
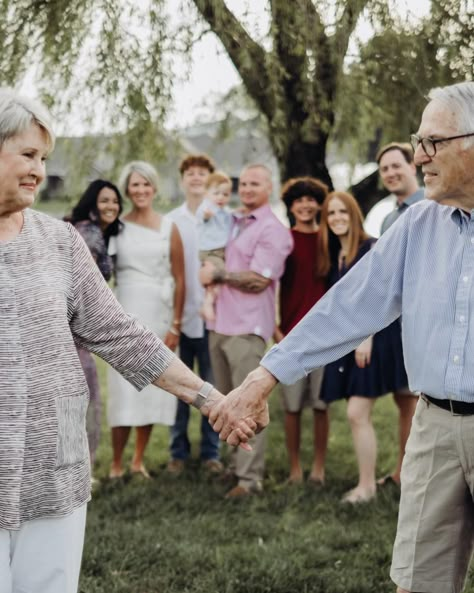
point(18, 113)
point(460, 99)
point(142, 168)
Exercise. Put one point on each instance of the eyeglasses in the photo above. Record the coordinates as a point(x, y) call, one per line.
point(429, 144)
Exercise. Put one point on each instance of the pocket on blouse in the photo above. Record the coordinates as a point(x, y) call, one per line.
point(72, 444)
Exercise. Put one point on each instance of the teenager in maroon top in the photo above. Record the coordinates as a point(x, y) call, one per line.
point(300, 289)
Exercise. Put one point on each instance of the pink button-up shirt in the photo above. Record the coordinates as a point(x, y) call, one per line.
point(259, 242)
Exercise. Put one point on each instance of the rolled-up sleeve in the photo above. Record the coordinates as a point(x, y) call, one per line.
point(100, 325)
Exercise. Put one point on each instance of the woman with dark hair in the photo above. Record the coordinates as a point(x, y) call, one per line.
point(96, 217)
point(300, 288)
point(370, 370)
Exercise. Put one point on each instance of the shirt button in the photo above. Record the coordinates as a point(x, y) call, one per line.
point(462, 319)
point(455, 358)
point(465, 278)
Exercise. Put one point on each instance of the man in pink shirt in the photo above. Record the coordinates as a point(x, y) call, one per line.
point(245, 308)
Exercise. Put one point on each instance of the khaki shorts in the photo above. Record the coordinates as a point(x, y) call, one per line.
point(304, 392)
point(215, 256)
point(435, 530)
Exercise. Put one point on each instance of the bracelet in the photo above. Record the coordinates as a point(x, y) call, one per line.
point(175, 332)
point(202, 395)
point(177, 322)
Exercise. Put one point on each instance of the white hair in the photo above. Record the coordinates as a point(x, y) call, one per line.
point(460, 99)
point(18, 113)
point(142, 168)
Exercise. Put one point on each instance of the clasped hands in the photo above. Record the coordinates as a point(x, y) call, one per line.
point(241, 414)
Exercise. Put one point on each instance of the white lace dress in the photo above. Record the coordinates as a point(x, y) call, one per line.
point(145, 289)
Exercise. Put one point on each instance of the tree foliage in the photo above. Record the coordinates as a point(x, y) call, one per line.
point(306, 74)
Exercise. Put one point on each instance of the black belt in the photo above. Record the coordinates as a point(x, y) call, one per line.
point(455, 407)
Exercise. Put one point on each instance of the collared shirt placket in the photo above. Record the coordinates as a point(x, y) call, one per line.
point(455, 364)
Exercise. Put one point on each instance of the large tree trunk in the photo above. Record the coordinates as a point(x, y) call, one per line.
point(303, 158)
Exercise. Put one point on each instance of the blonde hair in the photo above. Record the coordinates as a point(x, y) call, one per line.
point(142, 168)
point(217, 178)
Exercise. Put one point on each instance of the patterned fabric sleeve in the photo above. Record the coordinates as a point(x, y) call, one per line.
point(94, 239)
point(100, 325)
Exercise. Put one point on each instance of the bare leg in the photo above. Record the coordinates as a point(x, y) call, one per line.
point(143, 436)
point(406, 407)
point(402, 590)
point(119, 440)
point(293, 437)
point(320, 436)
point(359, 410)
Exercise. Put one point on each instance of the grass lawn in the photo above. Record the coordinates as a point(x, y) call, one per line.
point(178, 535)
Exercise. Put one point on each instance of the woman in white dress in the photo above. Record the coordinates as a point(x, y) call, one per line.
point(149, 275)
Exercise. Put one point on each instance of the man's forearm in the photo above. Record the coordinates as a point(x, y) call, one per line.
point(246, 281)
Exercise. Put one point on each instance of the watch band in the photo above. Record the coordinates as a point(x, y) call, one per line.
point(202, 395)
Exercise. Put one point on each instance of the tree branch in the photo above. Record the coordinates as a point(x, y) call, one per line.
point(346, 25)
point(248, 57)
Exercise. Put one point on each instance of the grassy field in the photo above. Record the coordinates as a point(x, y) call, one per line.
point(178, 535)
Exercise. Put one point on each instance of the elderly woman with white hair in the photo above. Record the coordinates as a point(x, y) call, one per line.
point(53, 296)
point(149, 273)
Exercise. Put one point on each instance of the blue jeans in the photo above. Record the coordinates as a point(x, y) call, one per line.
point(191, 350)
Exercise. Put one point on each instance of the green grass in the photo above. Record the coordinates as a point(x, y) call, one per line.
point(178, 535)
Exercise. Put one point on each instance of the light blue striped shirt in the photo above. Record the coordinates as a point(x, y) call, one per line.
point(423, 269)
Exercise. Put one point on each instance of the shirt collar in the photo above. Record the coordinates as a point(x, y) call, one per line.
point(261, 212)
point(415, 197)
point(461, 217)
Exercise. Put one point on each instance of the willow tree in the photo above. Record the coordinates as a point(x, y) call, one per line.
point(298, 72)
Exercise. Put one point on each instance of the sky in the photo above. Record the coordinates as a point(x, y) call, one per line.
point(212, 72)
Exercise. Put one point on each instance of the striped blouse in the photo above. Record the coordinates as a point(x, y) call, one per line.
point(52, 296)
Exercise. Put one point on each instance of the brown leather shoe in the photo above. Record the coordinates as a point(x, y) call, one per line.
point(239, 492)
point(213, 466)
point(175, 467)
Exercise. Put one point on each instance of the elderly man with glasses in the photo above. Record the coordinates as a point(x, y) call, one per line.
point(423, 269)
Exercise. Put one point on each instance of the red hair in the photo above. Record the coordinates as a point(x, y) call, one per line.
point(357, 235)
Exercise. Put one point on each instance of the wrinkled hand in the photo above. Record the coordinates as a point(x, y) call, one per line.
point(206, 273)
point(244, 429)
point(245, 406)
point(363, 353)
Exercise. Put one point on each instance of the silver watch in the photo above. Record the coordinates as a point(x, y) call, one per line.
point(202, 395)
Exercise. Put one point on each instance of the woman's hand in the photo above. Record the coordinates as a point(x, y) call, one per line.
point(363, 353)
point(278, 335)
point(171, 340)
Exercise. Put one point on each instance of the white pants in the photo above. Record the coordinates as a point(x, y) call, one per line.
point(44, 555)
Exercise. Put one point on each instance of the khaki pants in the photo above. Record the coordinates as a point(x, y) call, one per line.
point(435, 530)
point(232, 358)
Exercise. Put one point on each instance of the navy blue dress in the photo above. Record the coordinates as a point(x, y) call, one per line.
point(386, 371)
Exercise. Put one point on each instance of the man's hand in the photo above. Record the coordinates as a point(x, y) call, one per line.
point(206, 273)
point(243, 431)
point(245, 406)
